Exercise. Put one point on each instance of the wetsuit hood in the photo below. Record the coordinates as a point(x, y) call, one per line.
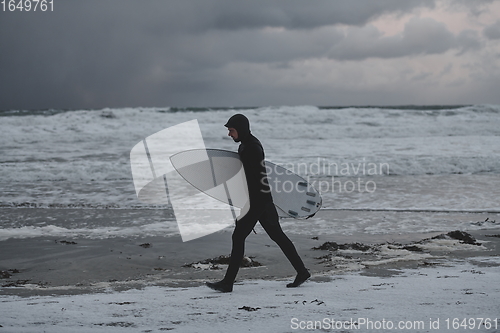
point(241, 124)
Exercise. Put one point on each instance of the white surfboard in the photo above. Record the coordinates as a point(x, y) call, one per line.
point(207, 169)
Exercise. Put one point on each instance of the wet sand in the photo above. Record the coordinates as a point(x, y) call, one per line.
point(47, 265)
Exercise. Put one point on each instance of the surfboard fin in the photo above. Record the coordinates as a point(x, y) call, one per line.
point(310, 216)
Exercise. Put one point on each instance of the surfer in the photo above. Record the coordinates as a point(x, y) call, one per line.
point(261, 208)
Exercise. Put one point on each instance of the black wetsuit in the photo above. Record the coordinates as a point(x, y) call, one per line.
point(262, 208)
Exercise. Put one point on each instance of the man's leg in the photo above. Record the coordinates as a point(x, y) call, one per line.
point(243, 228)
point(270, 222)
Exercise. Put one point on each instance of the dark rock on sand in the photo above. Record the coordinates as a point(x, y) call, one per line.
point(224, 260)
point(4, 275)
point(17, 283)
point(462, 236)
point(65, 242)
point(413, 248)
point(248, 308)
point(333, 246)
point(8, 273)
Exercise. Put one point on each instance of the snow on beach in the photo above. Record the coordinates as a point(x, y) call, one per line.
point(453, 296)
point(440, 284)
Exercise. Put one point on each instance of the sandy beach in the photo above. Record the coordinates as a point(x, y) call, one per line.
point(153, 284)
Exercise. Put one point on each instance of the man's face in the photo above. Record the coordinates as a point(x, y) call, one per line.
point(233, 133)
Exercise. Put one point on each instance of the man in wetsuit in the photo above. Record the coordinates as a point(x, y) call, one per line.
point(262, 208)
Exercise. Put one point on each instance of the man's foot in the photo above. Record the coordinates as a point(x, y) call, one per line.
point(299, 279)
point(221, 286)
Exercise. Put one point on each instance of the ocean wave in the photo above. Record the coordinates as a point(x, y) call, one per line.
point(81, 158)
point(154, 229)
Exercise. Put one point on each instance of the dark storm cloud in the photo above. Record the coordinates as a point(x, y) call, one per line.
point(129, 53)
point(420, 36)
point(492, 31)
point(473, 8)
point(299, 14)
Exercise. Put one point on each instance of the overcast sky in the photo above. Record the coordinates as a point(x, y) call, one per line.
point(124, 53)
